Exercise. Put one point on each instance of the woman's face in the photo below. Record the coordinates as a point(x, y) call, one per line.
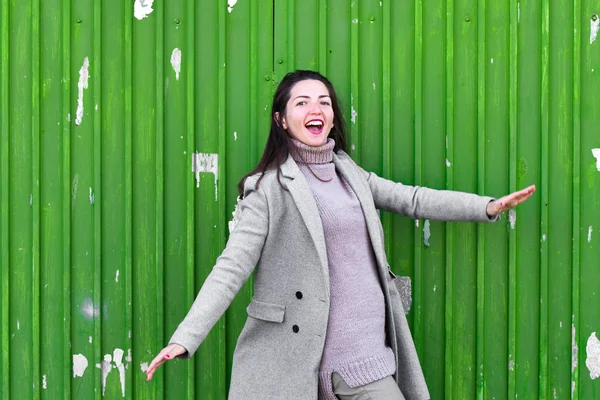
point(309, 114)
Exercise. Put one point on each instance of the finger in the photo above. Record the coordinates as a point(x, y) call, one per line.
point(157, 362)
point(174, 351)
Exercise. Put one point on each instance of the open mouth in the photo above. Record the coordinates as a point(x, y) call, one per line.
point(315, 126)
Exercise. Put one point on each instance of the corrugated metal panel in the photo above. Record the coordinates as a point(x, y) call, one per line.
point(106, 234)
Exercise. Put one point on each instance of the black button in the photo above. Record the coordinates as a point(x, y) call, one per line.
point(298, 295)
point(295, 328)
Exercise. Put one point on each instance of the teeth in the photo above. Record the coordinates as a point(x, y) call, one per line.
point(315, 123)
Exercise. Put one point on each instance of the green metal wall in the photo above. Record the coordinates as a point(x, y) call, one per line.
point(106, 234)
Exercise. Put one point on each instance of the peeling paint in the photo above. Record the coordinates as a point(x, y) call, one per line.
point(374, 87)
point(512, 218)
point(234, 135)
point(117, 277)
point(417, 223)
point(544, 237)
point(44, 382)
point(519, 12)
point(69, 117)
point(230, 4)
point(594, 25)
point(593, 356)
point(91, 196)
point(176, 62)
point(84, 75)
point(74, 188)
point(353, 147)
point(128, 358)
point(235, 216)
point(434, 288)
point(18, 325)
point(206, 163)
point(353, 112)
point(90, 339)
point(141, 8)
point(574, 349)
point(511, 365)
point(88, 309)
point(30, 200)
point(144, 366)
point(105, 367)
point(492, 60)
point(80, 364)
point(427, 233)
point(118, 360)
point(355, 21)
point(448, 164)
point(590, 230)
point(596, 154)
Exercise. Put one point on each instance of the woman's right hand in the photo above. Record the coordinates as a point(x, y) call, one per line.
point(166, 354)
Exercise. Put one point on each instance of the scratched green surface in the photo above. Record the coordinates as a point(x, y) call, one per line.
point(106, 236)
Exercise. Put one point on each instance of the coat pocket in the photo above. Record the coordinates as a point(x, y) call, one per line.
point(266, 311)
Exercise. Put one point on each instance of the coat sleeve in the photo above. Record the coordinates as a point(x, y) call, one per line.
point(422, 203)
point(232, 269)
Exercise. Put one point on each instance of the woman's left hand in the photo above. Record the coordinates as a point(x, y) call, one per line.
point(510, 201)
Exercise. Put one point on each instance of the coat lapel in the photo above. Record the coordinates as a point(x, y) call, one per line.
point(351, 174)
point(306, 204)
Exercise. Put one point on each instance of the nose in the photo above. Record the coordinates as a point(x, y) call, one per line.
point(315, 109)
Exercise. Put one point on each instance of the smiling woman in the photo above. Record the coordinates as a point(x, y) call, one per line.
point(326, 320)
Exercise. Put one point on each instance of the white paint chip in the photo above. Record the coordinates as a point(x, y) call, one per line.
point(594, 25)
point(105, 367)
point(596, 154)
point(434, 288)
point(117, 277)
point(574, 349)
point(511, 365)
point(91, 196)
point(235, 216)
point(417, 223)
point(593, 356)
point(118, 360)
point(234, 135)
point(230, 4)
point(18, 325)
point(141, 8)
point(448, 163)
point(206, 163)
point(353, 112)
point(492, 60)
point(144, 366)
point(355, 21)
point(84, 75)
point(544, 237)
point(512, 218)
point(176, 62)
point(519, 12)
point(427, 233)
point(590, 230)
point(90, 339)
point(44, 382)
point(80, 364)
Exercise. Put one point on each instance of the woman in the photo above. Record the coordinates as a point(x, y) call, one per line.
point(326, 319)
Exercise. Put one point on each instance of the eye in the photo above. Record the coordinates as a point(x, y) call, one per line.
point(325, 103)
point(301, 103)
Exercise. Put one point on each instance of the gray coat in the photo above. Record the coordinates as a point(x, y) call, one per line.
point(279, 231)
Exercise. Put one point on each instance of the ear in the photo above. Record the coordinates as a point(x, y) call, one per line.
point(280, 121)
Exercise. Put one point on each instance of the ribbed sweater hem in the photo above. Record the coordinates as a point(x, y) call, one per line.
point(359, 373)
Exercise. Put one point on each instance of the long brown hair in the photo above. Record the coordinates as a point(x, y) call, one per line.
point(279, 141)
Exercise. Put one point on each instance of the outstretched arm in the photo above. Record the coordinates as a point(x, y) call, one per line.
point(231, 270)
point(443, 205)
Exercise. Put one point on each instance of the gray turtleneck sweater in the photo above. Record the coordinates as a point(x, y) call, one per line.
point(355, 345)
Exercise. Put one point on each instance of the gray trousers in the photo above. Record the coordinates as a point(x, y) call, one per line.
point(383, 389)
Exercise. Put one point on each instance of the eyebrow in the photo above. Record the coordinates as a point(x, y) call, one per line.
point(308, 97)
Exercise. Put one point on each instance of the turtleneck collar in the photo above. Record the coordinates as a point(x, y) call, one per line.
point(304, 154)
